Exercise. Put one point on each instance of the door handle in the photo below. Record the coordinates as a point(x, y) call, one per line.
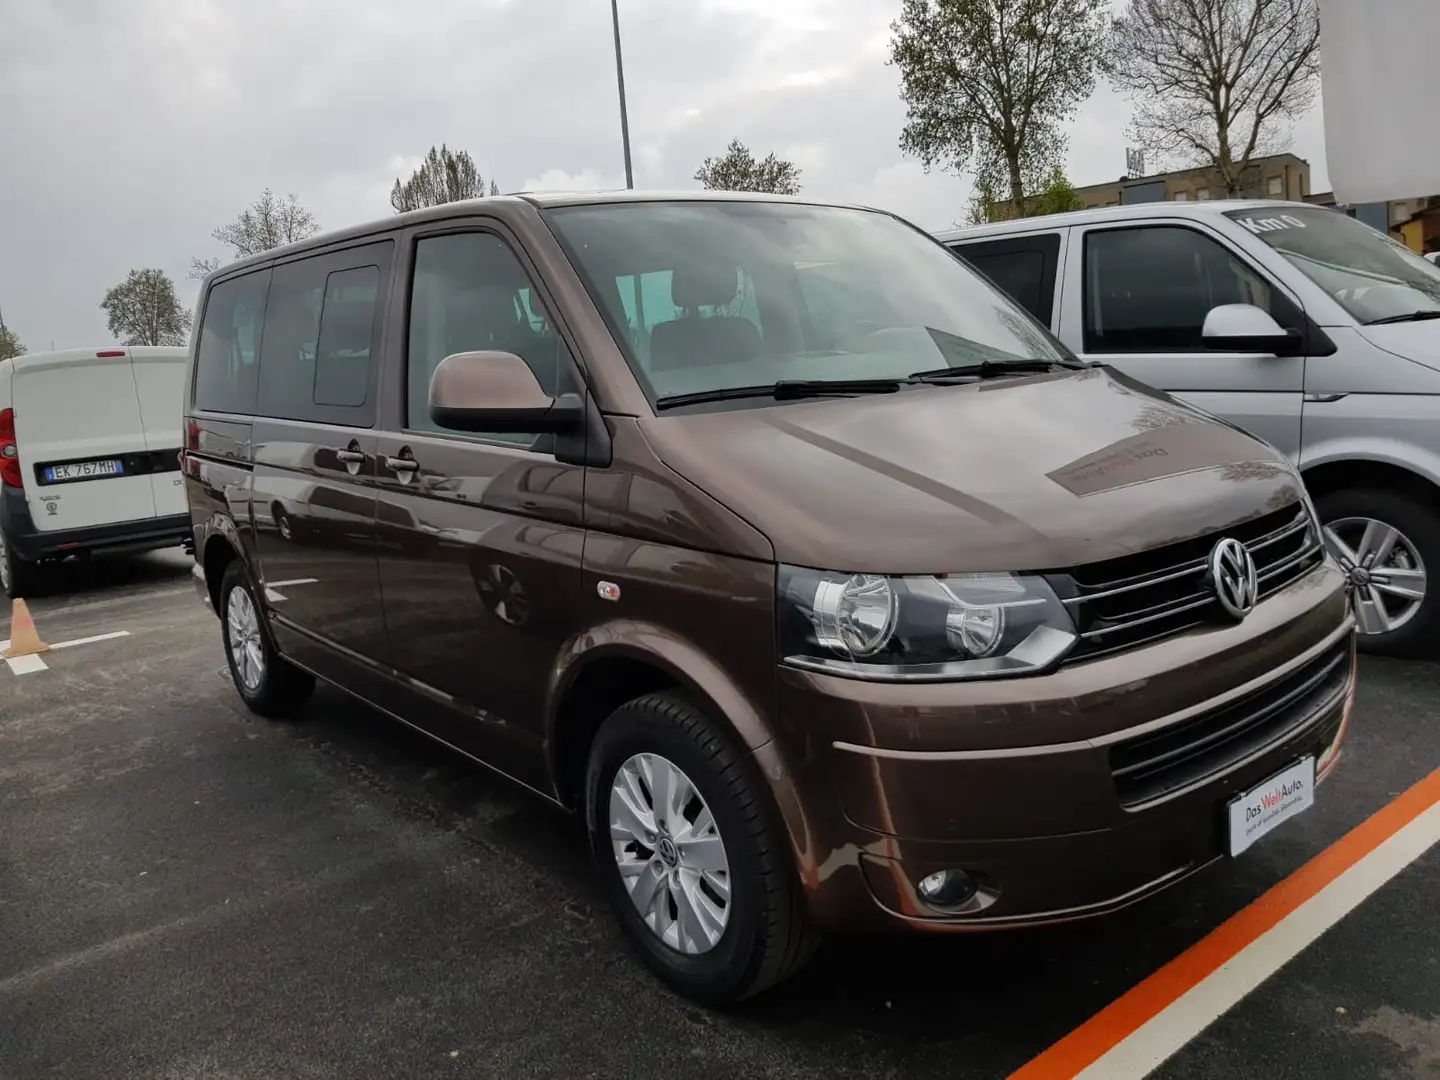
point(401, 464)
point(350, 457)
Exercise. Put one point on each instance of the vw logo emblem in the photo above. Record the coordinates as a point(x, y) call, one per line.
point(668, 851)
point(1233, 577)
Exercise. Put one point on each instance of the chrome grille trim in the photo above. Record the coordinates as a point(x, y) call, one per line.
point(1286, 549)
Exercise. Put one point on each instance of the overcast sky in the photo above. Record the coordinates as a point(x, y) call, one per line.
point(132, 128)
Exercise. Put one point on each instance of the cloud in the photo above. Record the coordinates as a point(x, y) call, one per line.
point(134, 127)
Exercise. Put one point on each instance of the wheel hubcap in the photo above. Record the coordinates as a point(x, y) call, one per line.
point(243, 638)
point(670, 854)
point(4, 565)
point(1383, 569)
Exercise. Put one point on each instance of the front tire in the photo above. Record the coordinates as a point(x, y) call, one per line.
point(269, 684)
point(693, 862)
point(1388, 545)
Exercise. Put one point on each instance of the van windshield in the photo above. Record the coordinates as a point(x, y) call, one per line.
point(1374, 278)
point(706, 296)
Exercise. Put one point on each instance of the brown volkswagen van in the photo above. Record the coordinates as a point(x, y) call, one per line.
point(828, 587)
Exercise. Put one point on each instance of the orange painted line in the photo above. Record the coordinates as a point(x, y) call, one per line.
point(1142, 1003)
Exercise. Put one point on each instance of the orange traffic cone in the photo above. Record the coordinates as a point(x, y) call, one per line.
point(24, 641)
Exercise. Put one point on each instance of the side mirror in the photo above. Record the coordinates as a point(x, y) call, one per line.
point(1247, 328)
point(497, 391)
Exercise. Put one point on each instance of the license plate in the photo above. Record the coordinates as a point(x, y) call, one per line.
point(1266, 805)
point(83, 470)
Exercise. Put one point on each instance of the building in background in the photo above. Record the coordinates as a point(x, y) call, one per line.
point(1280, 176)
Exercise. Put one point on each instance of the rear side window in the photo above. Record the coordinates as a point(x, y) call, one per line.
point(1148, 289)
point(320, 347)
point(228, 354)
point(1024, 267)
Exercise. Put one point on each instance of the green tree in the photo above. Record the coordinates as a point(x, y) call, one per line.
point(737, 170)
point(444, 176)
point(1216, 82)
point(1056, 197)
point(10, 345)
point(144, 310)
point(988, 84)
point(271, 221)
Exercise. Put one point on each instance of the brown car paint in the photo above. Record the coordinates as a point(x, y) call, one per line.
point(876, 783)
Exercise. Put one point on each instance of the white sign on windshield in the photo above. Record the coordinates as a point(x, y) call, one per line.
point(1271, 223)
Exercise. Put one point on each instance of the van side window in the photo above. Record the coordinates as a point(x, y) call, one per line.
point(342, 351)
point(470, 293)
point(321, 323)
point(1149, 288)
point(1023, 267)
point(228, 355)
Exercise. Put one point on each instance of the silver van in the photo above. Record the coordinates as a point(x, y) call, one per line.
point(1304, 326)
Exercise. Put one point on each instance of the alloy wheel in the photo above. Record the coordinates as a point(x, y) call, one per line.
point(4, 566)
point(246, 650)
point(1386, 575)
point(670, 853)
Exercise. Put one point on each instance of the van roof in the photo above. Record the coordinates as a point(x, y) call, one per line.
point(501, 204)
point(61, 357)
point(1192, 210)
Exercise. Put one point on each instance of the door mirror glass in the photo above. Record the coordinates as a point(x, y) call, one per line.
point(1247, 328)
point(497, 392)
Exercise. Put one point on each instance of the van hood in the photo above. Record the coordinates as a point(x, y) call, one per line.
point(1030, 473)
point(1417, 341)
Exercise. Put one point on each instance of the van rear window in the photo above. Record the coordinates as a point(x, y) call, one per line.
point(228, 355)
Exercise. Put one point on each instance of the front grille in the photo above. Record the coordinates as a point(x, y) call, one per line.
point(1151, 766)
point(1125, 602)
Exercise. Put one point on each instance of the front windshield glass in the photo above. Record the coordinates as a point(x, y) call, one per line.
point(706, 296)
point(1371, 276)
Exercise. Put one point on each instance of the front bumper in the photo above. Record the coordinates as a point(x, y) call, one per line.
point(1129, 799)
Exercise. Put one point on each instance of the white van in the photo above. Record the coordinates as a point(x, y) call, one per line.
point(89, 456)
point(1307, 328)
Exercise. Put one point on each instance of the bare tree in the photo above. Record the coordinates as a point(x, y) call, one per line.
point(987, 84)
point(271, 221)
point(444, 176)
point(144, 310)
point(737, 170)
point(1216, 82)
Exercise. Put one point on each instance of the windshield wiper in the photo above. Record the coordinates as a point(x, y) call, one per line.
point(988, 368)
point(785, 390)
point(1413, 316)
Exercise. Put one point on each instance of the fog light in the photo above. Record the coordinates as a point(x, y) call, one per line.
point(947, 888)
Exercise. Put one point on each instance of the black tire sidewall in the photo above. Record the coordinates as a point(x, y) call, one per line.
point(723, 974)
point(22, 574)
point(1420, 524)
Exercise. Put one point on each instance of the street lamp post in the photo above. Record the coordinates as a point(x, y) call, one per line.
point(620, 80)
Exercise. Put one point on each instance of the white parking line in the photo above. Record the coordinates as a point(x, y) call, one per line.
point(25, 665)
point(90, 640)
point(30, 665)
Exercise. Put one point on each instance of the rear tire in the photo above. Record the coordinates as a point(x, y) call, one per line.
point(1389, 546)
point(18, 578)
point(713, 950)
point(269, 684)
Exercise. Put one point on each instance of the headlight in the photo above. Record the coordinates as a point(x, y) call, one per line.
point(901, 629)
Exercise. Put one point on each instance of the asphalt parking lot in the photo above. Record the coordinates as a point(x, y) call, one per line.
point(187, 891)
